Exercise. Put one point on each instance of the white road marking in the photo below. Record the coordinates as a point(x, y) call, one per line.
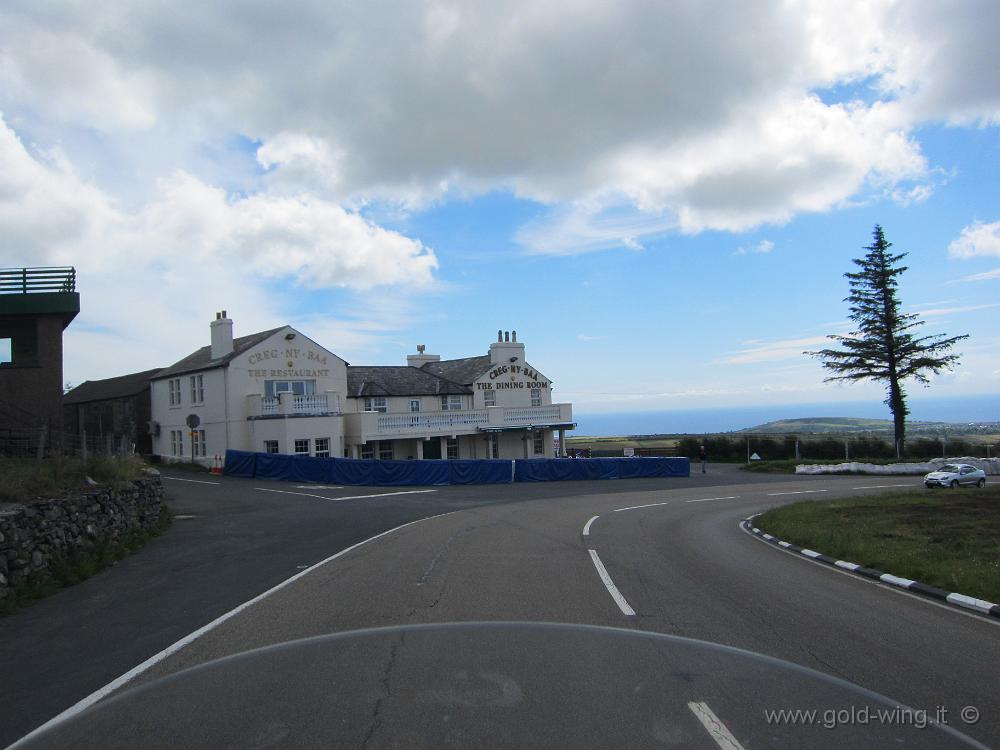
point(610, 585)
point(636, 507)
point(349, 497)
point(800, 492)
point(706, 499)
point(191, 637)
point(195, 481)
point(884, 486)
point(586, 529)
point(316, 487)
point(719, 732)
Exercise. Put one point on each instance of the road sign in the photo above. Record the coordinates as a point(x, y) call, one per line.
point(193, 420)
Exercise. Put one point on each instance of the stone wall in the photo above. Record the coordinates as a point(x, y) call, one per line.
point(35, 537)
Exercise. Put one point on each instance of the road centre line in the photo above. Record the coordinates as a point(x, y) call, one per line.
point(349, 497)
point(719, 732)
point(610, 585)
point(317, 487)
point(800, 492)
point(883, 486)
point(706, 499)
point(636, 507)
point(195, 481)
point(191, 637)
point(586, 529)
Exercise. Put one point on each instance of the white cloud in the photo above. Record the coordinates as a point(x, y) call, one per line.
point(756, 351)
point(984, 276)
point(761, 248)
point(584, 337)
point(977, 239)
point(938, 312)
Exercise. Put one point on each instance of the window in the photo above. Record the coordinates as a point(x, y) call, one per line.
point(490, 398)
point(322, 446)
point(302, 446)
point(367, 451)
point(273, 388)
point(452, 448)
point(385, 450)
point(176, 443)
point(414, 404)
point(536, 396)
point(197, 389)
point(174, 391)
point(6, 351)
point(270, 446)
point(377, 403)
point(538, 442)
point(493, 446)
point(198, 436)
point(451, 403)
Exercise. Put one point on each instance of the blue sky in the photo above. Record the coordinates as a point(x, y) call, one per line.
point(661, 200)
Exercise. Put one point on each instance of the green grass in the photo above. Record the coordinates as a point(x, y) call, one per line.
point(23, 480)
point(70, 571)
point(944, 538)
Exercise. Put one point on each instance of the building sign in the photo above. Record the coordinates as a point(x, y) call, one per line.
point(533, 378)
point(296, 363)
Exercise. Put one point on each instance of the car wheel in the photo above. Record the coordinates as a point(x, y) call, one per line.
point(954, 484)
point(981, 483)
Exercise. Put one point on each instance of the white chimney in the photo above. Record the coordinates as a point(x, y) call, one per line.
point(506, 350)
point(222, 335)
point(420, 359)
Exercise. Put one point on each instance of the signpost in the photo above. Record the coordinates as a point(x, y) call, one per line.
point(193, 420)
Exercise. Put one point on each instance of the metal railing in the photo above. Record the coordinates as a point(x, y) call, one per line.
point(529, 414)
point(35, 280)
point(435, 421)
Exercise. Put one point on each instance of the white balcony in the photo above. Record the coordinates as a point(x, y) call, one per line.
point(370, 425)
point(287, 404)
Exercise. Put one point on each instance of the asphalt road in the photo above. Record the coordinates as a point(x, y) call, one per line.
point(679, 565)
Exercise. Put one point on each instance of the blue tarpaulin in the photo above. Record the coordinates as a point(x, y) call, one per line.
point(348, 471)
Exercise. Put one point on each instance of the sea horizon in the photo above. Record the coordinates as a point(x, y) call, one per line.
point(978, 408)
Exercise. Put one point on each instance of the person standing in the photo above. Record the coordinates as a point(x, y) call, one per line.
point(703, 457)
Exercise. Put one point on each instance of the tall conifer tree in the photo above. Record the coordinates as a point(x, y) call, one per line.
point(883, 347)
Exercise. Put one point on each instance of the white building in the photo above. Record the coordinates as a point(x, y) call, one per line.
point(278, 391)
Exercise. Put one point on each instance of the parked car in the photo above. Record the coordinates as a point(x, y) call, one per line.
point(952, 475)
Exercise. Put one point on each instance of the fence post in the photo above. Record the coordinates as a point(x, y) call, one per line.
point(40, 451)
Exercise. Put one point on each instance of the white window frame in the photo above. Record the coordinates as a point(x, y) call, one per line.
point(489, 397)
point(174, 391)
point(176, 443)
point(538, 442)
point(377, 403)
point(414, 404)
point(300, 446)
point(385, 450)
point(451, 448)
point(367, 451)
point(536, 396)
point(493, 445)
point(197, 389)
point(199, 443)
point(321, 447)
point(451, 402)
point(268, 444)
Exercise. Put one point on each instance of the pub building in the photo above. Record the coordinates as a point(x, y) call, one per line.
point(278, 391)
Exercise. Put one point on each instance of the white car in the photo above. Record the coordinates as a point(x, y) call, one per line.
point(952, 475)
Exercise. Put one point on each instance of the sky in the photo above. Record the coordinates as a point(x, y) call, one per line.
point(660, 198)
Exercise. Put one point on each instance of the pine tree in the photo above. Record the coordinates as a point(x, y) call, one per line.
point(884, 348)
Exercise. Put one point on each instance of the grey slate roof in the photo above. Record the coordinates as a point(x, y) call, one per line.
point(464, 371)
point(100, 390)
point(202, 359)
point(398, 381)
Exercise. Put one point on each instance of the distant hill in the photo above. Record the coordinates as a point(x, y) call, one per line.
point(822, 425)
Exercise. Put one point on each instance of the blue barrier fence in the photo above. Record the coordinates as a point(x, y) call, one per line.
point(424, 473)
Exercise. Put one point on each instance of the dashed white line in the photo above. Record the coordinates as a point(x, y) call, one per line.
point(586, 529)
point(194, 481)
point(883, 486)
point(316, 487)
point(349, 497)
point(799, 492)
point(288, 492)
point(636, 507)
point(718, 731)
point(610, 585)
point(706, 499)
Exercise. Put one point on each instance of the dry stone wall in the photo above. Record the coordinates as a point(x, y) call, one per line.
point(36, 537)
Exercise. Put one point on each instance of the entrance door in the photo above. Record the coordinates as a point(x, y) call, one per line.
point(432, 448)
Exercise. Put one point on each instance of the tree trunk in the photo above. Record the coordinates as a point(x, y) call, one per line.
point(897, 405)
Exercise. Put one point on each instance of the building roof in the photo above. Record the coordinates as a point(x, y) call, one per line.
point(100, 390)
point(465, 371)
point(202, 359)
point(398, 381)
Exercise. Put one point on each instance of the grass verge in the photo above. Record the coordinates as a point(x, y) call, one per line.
point(22, 480)
point(944, 538)
point(70, 571)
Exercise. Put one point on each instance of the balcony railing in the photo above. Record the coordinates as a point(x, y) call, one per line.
point(37, 280)
point(287, 403)
point(366, 426)
point(416, 422)
point(530, 414)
